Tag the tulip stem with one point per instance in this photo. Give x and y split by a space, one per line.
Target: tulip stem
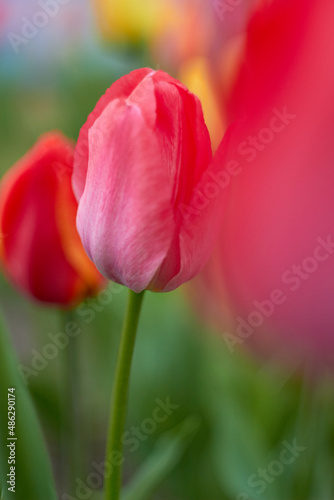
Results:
114 457
71 409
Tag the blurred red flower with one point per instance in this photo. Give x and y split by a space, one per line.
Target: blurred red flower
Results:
40 249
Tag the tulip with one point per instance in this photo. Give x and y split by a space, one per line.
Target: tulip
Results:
142 164
40 249
272 271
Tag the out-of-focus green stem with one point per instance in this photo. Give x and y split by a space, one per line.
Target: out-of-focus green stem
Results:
71 403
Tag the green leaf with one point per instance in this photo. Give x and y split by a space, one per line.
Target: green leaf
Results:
33 477
166 454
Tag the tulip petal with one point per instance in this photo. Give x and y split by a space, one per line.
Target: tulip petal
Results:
199 221
125 216
180 121
122 88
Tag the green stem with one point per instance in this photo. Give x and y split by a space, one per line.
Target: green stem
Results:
72 446
114 456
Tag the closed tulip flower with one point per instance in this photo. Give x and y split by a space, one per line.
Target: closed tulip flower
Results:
272 271
40 249
142 160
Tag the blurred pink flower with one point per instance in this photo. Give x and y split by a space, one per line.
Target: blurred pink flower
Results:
271 276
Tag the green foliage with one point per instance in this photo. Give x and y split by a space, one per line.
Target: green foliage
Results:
33 478
166 454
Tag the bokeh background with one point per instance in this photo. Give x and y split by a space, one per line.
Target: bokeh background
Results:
247 406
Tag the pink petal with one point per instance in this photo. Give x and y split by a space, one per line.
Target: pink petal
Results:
125 216
122 88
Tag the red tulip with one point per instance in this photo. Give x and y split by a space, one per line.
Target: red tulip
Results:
140 161
273 268
40 249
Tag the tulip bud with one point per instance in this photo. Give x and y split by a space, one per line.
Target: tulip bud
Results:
147 216
40 249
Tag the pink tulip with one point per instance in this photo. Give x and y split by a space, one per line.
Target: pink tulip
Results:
142 157
272 272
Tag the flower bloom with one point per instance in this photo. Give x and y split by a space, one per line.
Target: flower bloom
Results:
40 249
141 160
273 267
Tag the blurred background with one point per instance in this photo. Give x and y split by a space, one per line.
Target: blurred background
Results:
248 408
